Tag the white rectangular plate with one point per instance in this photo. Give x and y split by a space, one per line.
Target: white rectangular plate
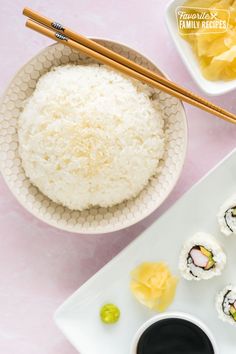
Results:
78 317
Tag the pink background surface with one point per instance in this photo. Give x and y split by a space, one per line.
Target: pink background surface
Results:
41 266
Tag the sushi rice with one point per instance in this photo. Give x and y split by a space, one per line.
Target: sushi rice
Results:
201 257
227 216
226 304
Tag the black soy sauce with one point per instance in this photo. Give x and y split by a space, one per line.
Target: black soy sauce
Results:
174 336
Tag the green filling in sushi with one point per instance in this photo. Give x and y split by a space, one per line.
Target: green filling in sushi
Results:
234 211
232 311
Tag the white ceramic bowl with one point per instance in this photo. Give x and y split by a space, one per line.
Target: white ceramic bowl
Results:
189 58
180 315
94 220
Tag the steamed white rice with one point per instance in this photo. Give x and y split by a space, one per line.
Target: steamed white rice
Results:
89 136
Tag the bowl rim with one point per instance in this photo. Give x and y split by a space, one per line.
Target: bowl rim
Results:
168 315
109 229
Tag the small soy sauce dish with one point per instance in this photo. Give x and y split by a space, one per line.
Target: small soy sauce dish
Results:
174 333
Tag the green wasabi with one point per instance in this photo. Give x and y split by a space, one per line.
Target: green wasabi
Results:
109 313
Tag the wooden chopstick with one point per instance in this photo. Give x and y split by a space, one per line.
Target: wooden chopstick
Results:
120 63
119 58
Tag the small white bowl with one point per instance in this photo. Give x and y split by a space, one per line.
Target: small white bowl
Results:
210 87
180 315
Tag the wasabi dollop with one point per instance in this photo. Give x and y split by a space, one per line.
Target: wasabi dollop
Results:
109 313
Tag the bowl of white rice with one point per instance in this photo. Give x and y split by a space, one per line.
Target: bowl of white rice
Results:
85 148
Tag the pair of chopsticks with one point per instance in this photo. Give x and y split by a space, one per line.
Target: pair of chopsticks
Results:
58 32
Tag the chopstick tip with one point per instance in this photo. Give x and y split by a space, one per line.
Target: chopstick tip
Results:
27 12
24 11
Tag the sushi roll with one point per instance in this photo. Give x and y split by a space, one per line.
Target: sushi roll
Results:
201 257
226 304
227 216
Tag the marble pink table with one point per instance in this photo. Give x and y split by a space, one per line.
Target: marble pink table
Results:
41 266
